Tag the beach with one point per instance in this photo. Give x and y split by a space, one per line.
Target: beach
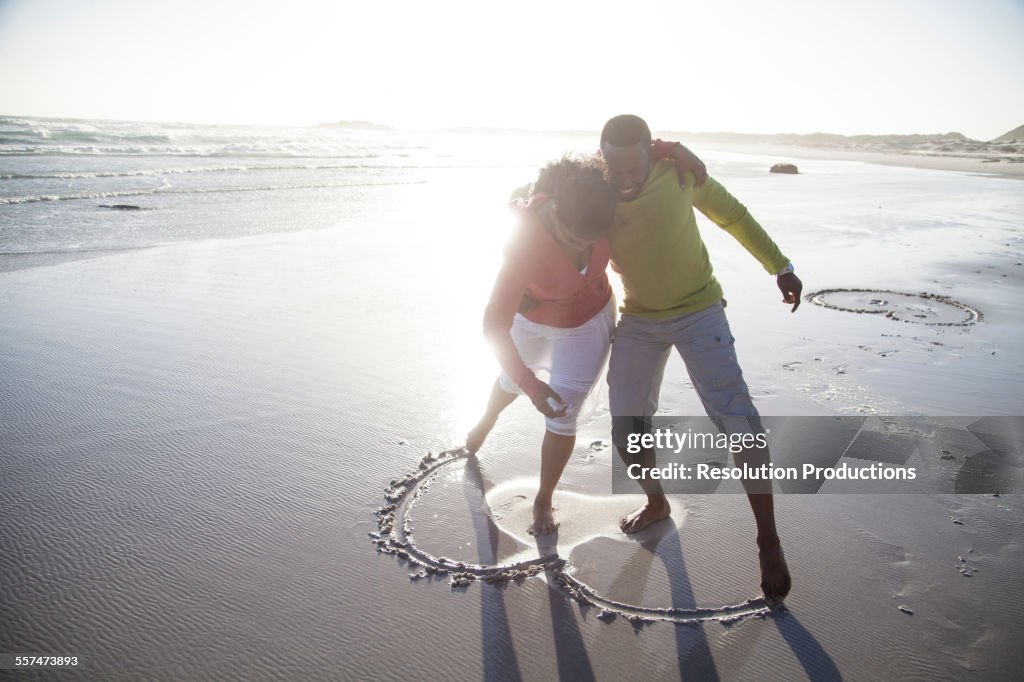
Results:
974 163
204 400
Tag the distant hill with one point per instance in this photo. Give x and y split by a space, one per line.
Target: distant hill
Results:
356 125
938 144
826 139
1015 134
527 131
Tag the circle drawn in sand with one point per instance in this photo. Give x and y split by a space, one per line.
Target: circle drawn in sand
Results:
921 308
394 535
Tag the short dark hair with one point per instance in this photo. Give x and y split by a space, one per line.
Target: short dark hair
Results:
585 203
626 130
553 173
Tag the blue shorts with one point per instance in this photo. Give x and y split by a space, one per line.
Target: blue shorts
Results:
641 349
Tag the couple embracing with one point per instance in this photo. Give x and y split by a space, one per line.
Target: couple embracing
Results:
552 307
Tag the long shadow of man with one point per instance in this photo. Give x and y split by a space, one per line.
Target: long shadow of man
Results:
694 654
662 541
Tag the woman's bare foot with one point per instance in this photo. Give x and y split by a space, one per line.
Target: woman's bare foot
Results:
775 580
543 518
655 510
478 434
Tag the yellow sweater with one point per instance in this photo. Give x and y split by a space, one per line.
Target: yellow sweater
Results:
658 251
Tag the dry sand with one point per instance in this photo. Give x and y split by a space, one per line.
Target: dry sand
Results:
195 438
982 164
951 152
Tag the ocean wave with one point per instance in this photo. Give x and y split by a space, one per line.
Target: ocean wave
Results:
142 172
7 201
109 249
155 172
63 137
207 190
251 150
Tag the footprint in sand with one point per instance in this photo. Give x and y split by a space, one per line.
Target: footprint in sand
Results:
499 511
966 566
874 349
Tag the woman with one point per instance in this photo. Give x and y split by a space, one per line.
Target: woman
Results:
552 307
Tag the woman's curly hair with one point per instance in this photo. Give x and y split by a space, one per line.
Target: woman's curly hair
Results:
584 202
551 175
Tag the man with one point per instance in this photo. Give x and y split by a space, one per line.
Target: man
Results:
673 299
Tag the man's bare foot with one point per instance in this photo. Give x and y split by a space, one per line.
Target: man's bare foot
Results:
775 580
543 519
652 512
478 434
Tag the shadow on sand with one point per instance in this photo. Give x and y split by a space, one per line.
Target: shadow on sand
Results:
660 542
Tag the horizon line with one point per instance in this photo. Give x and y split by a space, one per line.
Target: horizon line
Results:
386 127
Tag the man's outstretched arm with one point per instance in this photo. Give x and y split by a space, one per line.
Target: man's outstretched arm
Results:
723 209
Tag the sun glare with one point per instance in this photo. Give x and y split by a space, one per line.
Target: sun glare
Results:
739 66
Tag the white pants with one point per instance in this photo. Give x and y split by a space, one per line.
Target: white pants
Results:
571 357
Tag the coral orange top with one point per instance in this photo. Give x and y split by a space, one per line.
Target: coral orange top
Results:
535 265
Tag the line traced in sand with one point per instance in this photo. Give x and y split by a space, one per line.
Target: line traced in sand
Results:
394 535
920 308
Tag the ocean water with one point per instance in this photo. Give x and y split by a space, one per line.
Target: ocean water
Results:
191 182
59 178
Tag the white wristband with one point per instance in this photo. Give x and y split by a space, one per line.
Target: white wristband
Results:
786 270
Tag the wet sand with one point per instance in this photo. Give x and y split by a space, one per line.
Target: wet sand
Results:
196 438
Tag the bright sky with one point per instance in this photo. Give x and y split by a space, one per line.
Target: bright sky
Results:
870 66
